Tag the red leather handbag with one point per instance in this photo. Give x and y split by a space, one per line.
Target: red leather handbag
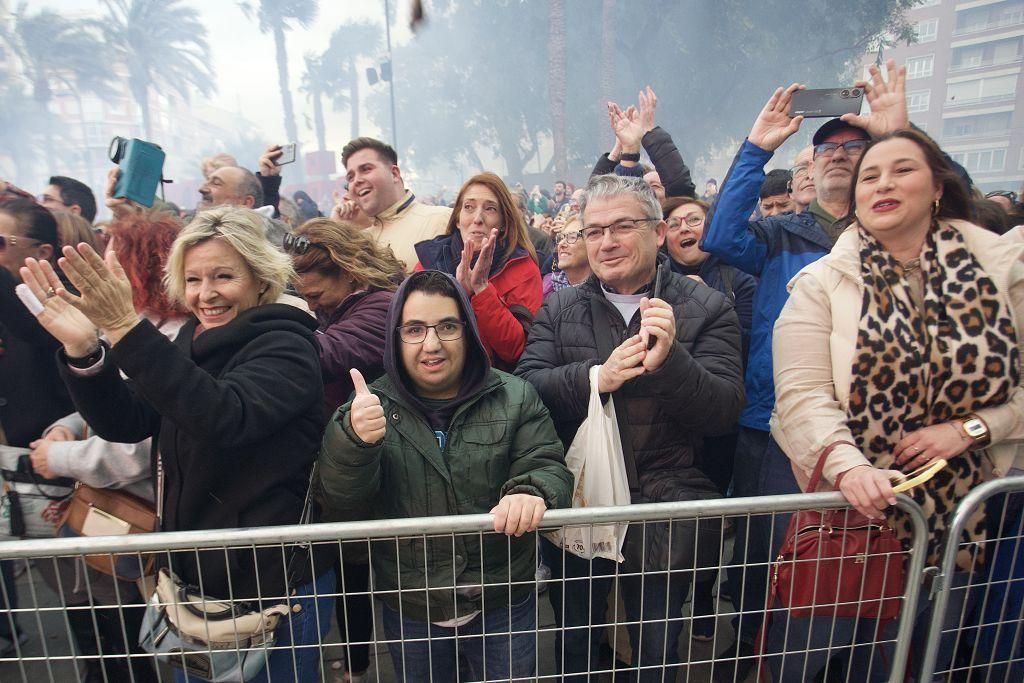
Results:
838 563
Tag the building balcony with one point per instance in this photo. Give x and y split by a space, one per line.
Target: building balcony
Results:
1017 19
963 137
984 64
975 101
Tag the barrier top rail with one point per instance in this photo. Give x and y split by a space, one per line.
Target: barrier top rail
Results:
419 526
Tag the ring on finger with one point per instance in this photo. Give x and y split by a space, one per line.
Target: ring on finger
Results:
50 293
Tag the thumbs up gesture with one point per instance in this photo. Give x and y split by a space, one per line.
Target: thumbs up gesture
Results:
366 413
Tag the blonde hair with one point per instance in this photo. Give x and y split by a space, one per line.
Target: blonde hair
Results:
72 229
243 230
340 247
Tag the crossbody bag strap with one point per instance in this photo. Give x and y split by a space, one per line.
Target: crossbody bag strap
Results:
294 566
605 345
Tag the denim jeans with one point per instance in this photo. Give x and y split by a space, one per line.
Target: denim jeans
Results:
761 469
299 636
653 599
498 645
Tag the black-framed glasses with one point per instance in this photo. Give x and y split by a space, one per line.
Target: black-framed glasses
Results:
1009 194
13 240
296 244
620 228
416 333
693 220
852 147
570 237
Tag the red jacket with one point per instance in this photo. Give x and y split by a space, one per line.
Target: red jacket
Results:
505 309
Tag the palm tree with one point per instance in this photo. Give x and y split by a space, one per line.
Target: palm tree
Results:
276 17
54 50
163 44
556 83
317 81
19 120
349 43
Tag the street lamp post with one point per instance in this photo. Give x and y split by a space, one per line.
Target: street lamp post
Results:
391 80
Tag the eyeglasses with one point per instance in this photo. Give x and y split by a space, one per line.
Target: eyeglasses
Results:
1012 196
13 241
415 333
621 228
852 147
570 237
45 199
799 171
693 220
296 244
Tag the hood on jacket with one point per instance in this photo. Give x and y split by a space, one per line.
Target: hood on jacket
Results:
444 253
477 365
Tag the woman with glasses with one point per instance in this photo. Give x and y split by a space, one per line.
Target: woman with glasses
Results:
875 355
685 217
487 249
571 267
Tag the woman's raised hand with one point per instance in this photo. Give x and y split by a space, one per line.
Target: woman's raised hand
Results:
66 323
105 291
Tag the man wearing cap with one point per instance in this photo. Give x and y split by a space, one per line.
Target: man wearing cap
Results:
774 249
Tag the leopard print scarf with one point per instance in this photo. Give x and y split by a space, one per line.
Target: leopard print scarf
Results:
912 370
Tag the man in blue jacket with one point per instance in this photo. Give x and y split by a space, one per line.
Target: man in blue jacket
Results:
774 249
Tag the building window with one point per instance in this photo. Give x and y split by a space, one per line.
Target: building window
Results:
982 125
920 67
918 100
981 160
982 90
927 30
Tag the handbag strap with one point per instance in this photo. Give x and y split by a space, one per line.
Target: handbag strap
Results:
812 486
293 569
605 339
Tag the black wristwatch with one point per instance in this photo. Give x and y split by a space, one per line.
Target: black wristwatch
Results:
629 156
94 357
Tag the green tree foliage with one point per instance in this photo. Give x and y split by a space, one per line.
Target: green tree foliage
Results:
479 70
163 44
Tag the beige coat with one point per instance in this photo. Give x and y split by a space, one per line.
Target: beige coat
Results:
403 229
815 340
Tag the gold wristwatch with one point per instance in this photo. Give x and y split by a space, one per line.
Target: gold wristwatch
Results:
976 429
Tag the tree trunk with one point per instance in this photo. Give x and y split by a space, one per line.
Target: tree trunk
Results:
318 121
607 71
556 83
353 98
290 129
147 125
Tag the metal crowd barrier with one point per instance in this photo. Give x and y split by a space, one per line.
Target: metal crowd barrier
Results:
976 630
53 601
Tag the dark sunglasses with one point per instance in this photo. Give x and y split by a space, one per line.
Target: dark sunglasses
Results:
296 244
1012 196
13 240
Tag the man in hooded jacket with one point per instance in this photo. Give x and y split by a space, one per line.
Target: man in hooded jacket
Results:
442 433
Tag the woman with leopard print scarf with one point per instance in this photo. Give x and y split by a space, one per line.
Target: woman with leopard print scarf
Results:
903 340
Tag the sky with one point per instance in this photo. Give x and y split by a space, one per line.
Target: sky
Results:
245 66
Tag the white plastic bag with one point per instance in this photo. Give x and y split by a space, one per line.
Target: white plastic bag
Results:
596 462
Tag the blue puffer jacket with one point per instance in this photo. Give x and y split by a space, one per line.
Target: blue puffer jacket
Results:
772 249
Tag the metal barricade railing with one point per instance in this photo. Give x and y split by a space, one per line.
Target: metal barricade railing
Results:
976 627
639 606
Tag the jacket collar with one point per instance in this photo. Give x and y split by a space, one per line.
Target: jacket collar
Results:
396 209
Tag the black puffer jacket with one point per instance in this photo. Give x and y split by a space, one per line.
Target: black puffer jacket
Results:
667 160
697 391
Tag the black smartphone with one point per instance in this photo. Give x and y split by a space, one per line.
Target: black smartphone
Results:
655 294
826 102
287 155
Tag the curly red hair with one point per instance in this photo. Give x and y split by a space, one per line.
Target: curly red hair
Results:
143 242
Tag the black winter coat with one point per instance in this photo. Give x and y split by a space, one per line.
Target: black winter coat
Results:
236 414
667 160
697 391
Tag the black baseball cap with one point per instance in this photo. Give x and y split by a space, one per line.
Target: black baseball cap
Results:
833 126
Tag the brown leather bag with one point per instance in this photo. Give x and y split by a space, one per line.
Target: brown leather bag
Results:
838 563
110 512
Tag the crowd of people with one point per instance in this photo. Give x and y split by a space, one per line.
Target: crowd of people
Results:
435 360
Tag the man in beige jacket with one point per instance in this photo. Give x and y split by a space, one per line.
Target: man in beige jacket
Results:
375 184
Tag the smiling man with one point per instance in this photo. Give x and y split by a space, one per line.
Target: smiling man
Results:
375 183
669 351
442 433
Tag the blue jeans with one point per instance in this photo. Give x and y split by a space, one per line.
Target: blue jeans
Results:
580 603
761 469
298 634
500 644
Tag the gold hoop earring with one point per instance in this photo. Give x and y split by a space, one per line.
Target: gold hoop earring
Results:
935 210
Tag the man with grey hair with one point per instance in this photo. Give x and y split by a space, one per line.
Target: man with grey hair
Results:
231 186
668 348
